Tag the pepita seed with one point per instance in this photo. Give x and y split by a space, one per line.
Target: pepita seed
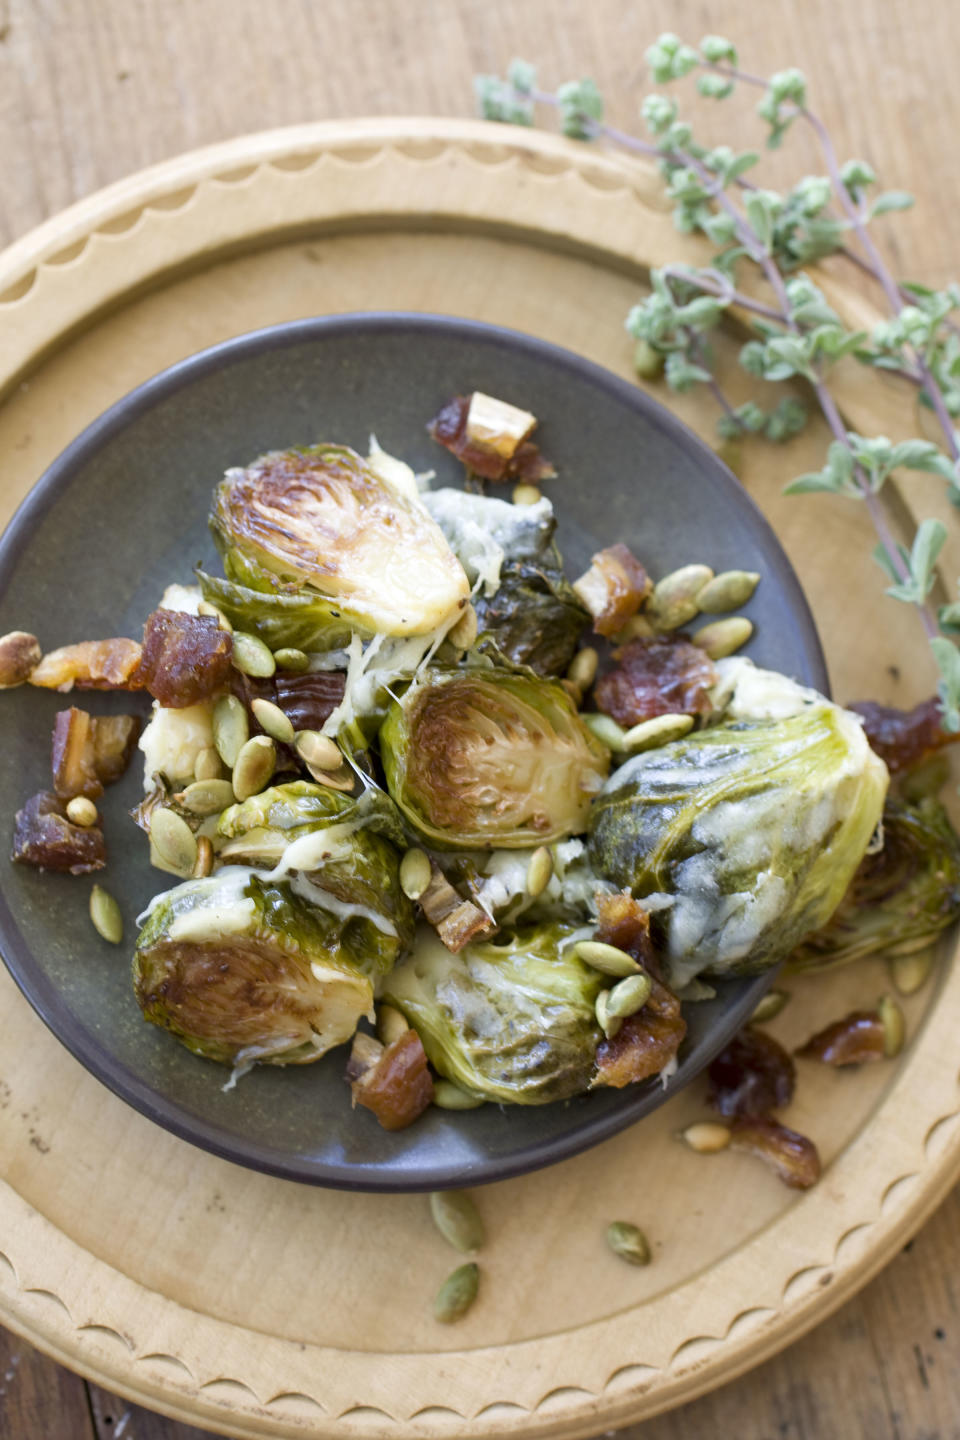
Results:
206 797
574 691
81 811
723 637
526 495
255 766
628 996
647 362
204 865
911 972
207 765
105 914
605 728
674 599
251 656
457 1294
464 633
894 1026
539 871
292 659
651 734
205 608
173 840
706 1137
415 872
638 627
458 1220
629 1242
609 1024
318 750
727 591
342 779
272 719
447 1096
608 959
231 728
769 1007
391 1024
583 667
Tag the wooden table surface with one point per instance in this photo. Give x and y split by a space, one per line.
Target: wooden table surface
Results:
93 89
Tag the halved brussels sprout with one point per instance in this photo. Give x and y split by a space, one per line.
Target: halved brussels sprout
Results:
321 517
489 758
513 1022
241 969
753 830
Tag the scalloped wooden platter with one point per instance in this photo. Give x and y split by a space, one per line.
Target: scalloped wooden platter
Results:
257 1307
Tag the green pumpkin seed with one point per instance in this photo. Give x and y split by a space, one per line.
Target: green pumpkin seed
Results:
629 1242
628 996
605 728
81 811
608 959
638 627
391 1024
706 1137
458 1220
457 1294
447 1096
207 765
647 363
318 751
342 779
291 659
255 766
231 728
204 865
894 1026
609 1024
464 633
727 591
105 914
173 840
205 608
651 734
272 719
539 871
526 495
674 599
769 1007
251 656
583 667
415 873
206 797
911 972
723 637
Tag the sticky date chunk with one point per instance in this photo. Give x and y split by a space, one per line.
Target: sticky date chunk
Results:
614 588
307 700
186 658
663 676
793 1157
902 738
751 1077
648 1040
90 751
44 837
392 1081
90 665
495 454
856 1039
625 922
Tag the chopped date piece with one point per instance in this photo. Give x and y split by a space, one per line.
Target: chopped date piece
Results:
186 658
613 589
857 1038
625 922
792 1156
20 653
751 1077
90 665
645 1043
456 921
392 1081
490 438
43 836
665 675
902 738
90 751
307 700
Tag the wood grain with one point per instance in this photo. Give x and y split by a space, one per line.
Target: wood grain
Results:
93 89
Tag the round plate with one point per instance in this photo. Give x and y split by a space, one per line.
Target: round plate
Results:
123 512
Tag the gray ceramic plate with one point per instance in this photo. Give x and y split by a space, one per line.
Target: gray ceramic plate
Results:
123 512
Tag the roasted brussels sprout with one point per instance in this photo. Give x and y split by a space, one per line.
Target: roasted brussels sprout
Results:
242 969
901 896
752 828
512 1022
527 611
278 615
320 519
488 758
